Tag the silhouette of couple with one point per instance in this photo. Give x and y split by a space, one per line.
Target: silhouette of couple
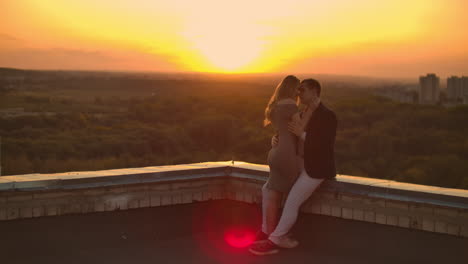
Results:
301 157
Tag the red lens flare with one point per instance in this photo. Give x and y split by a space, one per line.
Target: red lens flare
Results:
239 238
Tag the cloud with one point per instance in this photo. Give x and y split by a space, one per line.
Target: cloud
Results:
10 42
386 60
6 37
76 59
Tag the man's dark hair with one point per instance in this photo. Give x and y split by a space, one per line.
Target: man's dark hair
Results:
313 84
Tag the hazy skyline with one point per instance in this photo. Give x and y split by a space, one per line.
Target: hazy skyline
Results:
362 37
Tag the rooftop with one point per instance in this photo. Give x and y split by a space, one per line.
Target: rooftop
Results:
195 233
195 213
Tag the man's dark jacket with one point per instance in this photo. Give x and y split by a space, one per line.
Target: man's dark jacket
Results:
319 154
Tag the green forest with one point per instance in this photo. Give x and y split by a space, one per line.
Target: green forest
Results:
95 123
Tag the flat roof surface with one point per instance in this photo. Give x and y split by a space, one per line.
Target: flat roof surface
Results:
195 233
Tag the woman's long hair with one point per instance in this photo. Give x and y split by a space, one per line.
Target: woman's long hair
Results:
285 89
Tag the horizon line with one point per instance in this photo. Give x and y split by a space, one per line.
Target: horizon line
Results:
407 78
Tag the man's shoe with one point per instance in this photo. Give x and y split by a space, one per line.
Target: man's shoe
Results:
285 241
263 248
260 236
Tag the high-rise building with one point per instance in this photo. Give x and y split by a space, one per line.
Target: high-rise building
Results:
429 90
464 88
457 89
454 88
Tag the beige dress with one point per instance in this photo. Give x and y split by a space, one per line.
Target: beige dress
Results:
282 159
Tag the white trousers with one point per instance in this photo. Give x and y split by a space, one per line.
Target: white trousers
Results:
300 191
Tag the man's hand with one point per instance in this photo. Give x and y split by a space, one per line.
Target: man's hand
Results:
274 141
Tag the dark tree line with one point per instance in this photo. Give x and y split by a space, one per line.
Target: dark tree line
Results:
376 137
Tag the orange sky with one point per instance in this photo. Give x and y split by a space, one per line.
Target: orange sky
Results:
397 38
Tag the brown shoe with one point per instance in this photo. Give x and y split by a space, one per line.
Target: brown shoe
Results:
263 248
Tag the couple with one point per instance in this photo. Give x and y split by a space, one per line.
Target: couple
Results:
302 156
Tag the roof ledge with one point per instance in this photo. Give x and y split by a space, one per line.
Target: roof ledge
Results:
428 208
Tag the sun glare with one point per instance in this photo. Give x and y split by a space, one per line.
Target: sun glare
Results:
227 54
226 45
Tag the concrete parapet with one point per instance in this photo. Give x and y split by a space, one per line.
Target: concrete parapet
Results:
378 201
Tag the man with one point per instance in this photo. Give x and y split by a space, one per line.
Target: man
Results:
317 129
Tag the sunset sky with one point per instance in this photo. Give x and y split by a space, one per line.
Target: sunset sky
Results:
397 38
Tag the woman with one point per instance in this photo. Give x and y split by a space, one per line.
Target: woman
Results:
282 159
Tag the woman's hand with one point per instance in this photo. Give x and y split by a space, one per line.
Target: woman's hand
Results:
296 117
298 123
274 141
296 127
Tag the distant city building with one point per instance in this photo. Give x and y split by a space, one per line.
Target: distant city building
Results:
454 88
464 81
457 89
399 93
429 90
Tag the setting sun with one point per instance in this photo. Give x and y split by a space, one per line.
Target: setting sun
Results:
224 47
